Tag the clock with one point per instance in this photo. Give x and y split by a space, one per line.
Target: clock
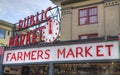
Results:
50 30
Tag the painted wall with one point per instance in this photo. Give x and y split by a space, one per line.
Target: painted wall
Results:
108 19
112 18
8 28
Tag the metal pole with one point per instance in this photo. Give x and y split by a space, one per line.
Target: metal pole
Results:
51 69
1 69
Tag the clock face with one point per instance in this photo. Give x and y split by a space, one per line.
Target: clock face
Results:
51 31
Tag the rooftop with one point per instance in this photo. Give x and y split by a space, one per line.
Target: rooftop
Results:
64 2
5 23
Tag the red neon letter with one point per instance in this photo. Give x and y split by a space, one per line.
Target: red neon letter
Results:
61 52
26 22
98 50
11 42
19 56
47 53
7 56
33 56
70 53
40 33
20 24
40 54
27 55
109 49
37 19
13 57
22 38
46 17
34 36
28 38
87 51
32 21
79 51
17 40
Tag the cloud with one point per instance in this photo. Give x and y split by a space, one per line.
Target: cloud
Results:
13 10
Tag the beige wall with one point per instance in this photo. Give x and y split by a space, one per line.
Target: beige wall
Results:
8 28
87 29
66 25
108 20
112 20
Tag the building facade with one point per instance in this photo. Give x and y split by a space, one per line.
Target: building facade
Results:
6 30
89 18
88 45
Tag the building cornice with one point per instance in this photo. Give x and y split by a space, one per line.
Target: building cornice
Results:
71 1
7 24
65 2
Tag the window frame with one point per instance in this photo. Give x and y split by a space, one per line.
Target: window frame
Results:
89 36
88 16
3 33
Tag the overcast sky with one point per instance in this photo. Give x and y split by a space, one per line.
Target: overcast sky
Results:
13 10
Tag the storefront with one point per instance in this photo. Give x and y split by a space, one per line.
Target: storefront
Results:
41 52
70 69
101 58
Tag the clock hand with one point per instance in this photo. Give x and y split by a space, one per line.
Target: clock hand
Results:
50 27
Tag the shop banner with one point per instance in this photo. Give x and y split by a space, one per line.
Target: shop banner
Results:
74 52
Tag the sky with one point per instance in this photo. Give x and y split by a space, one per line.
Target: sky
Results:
14 10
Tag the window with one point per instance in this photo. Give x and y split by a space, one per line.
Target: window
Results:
2 33
87 69
88 16
88 36
8 32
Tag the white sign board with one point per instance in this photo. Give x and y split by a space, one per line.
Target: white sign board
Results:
74 52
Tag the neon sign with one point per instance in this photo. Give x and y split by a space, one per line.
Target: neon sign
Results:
77 52
47 33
